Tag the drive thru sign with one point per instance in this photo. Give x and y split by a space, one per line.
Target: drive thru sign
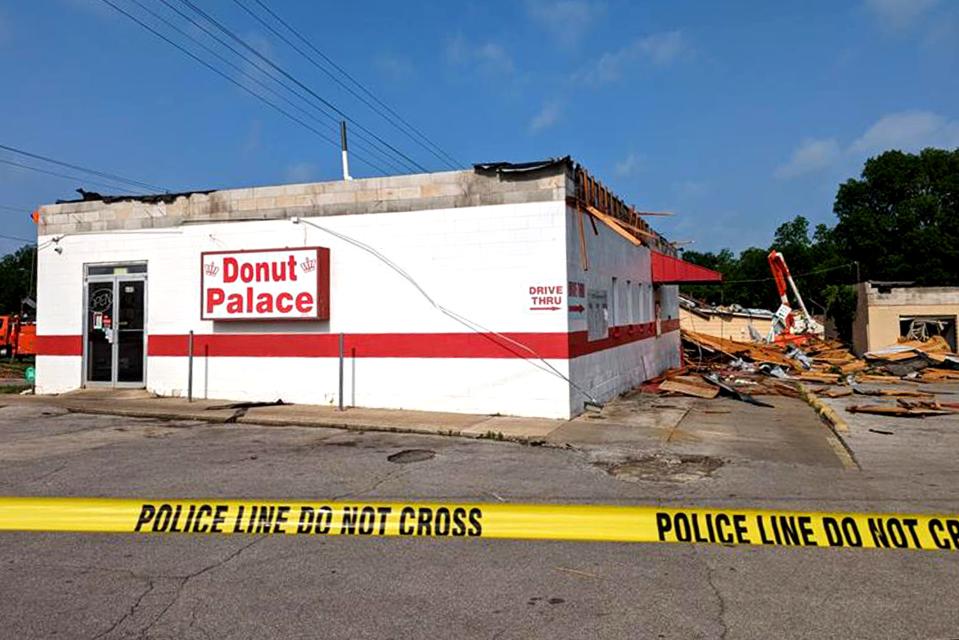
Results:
265 284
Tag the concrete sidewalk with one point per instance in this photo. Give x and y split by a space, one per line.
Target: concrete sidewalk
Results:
720 428
143 404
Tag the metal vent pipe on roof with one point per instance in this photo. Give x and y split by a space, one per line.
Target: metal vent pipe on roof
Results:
345 154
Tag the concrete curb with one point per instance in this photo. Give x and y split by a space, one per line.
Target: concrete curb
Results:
278 422
824 410
837 426
155 415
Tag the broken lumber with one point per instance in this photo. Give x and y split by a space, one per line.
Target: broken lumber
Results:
689 389
897 411
842 392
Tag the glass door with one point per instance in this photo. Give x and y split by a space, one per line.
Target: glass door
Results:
100 331
129 330
115 350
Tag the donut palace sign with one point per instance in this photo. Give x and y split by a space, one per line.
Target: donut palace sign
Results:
265 284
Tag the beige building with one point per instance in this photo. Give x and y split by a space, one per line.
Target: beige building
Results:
731 323
888 311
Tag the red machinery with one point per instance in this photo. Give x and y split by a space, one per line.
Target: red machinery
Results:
789 325
17 337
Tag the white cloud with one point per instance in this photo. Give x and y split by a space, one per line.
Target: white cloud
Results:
812 155
254 67
691 188
393 66
632 164
301 172
658 49
253 140
488 57
545 118
908 131
97 7
567 21
899 14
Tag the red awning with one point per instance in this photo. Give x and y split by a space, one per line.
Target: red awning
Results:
670 270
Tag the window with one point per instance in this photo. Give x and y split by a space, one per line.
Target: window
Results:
597 323
638 303
614 306
115 269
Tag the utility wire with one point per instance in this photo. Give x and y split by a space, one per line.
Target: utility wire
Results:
282 71
798 275
250 76
454 161
6 237
238 84
110 176
367 144
542 364
65 175
390 117
9 207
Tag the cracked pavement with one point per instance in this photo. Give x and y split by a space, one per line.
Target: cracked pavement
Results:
123 586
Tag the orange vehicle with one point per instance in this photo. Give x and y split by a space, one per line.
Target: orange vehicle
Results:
789 325
18 337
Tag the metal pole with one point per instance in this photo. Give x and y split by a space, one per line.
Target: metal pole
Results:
189 379
341 373
344 152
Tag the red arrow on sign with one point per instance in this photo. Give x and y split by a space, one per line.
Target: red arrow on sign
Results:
578 308
544 308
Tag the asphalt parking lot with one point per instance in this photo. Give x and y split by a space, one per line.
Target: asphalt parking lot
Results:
122 586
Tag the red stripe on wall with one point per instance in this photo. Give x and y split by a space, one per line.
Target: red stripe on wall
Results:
580 345
669 325
559 346
368 345
59 345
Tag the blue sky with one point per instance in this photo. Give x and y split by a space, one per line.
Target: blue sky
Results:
736 116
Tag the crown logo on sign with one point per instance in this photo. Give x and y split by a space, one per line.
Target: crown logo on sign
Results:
211 269
308 265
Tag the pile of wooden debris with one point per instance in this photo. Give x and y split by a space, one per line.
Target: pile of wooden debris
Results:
749 369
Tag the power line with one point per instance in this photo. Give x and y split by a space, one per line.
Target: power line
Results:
251 77
430 146
329 104
65 175
367 145
110 176
229 79
6 237
798 275
10 207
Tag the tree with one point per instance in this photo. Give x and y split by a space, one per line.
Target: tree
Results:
900 220
15 278
822 273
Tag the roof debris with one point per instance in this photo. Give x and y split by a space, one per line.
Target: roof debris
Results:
720 366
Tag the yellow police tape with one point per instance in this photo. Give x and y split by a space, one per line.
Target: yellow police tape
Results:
517 521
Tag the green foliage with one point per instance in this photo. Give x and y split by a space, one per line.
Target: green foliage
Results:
813 260
15 270
898 221
901 219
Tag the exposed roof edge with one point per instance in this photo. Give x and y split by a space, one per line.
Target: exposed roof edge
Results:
498 168
152 198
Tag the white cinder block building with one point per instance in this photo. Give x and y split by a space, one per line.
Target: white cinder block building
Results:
514 289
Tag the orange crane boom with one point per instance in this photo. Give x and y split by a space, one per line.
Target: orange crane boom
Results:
788 324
